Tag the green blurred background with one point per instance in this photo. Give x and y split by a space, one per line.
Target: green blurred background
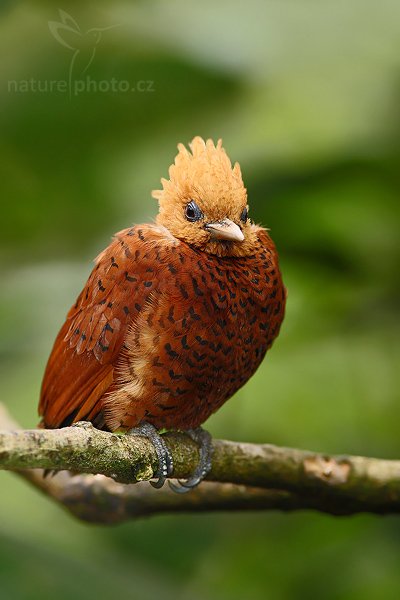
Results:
305 94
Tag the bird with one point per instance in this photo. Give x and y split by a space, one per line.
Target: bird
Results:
83 43
175 316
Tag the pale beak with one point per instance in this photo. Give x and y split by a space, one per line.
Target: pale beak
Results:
225 230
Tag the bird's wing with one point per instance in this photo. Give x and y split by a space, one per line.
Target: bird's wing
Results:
81 365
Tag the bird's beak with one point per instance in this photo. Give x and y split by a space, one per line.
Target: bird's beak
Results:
225 230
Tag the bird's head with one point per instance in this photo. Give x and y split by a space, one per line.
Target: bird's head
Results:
204 201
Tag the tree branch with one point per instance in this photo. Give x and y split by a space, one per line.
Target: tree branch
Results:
245 476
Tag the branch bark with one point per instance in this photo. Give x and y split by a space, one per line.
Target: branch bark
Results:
243 477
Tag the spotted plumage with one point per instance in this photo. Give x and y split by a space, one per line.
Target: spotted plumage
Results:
175 316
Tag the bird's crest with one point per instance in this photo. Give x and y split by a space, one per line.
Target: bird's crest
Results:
206 167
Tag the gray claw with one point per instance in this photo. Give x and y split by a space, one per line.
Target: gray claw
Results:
165 462
204 440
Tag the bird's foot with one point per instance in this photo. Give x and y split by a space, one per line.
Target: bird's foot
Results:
204 440
165 462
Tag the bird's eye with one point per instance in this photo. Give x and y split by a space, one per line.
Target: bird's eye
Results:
244 215
193 212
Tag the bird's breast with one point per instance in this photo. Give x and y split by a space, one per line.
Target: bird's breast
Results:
199 337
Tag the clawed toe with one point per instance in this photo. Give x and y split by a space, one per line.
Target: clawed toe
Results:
182 486
165 468
204 440
165 462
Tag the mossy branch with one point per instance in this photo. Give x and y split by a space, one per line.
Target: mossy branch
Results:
244 476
